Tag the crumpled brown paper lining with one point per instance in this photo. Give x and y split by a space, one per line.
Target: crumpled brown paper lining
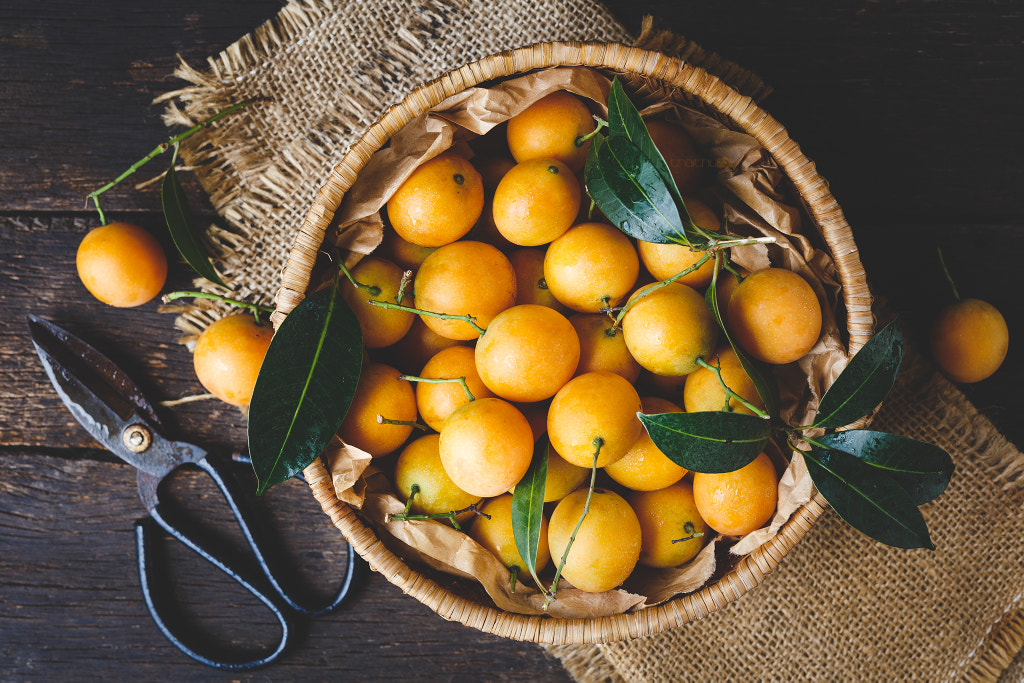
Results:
752 189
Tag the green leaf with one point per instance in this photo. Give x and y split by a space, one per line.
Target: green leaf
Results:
305 386
528 508
922 469
178 216
868 499
628 189
710 442
760 373
865 381
624 120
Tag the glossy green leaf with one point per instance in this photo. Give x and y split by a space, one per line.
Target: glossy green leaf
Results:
709 442
628 189
178 216
760 373
528 507
624 120
868 499
922 469
305 386
865 381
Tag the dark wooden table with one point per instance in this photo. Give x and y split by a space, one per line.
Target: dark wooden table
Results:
911 110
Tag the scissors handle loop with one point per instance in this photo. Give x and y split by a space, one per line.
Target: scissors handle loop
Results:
280 603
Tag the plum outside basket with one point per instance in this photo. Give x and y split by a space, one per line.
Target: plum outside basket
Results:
693 87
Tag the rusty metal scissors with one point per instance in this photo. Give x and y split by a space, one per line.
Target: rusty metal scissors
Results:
115 412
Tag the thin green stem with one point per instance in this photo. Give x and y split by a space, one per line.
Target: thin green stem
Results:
949 278
582 139
441 380
513 572
372 290
649 289
468 319
403 283
689 529
713 248
550 595
727 265
381 420
413 490
160 149
255 308
450 515
729 392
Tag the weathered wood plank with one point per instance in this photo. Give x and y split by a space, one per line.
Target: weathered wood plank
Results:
70 598
38 275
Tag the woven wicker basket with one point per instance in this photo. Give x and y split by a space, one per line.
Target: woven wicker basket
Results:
689 85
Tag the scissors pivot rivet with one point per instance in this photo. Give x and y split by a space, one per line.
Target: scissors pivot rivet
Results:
136 438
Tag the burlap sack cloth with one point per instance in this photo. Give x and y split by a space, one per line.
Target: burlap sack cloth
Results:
840 606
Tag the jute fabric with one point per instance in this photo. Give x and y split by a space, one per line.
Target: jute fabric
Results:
840 606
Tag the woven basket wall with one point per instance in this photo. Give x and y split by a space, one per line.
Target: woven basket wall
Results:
657 76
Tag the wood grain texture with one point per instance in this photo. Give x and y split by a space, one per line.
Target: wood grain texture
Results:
69 600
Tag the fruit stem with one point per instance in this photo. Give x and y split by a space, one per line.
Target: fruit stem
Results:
444 316
729 392
688 528
403 283
713 247
439 380
513 572
949 278
549 596
450 515
255 308
381 420
413 490
582 139
650 289
372 290
160 149
727 265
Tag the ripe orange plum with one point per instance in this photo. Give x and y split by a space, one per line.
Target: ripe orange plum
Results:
535 202
602 347
486 446
590 267
528 353
419 463
381 326
607 545
121 264
969 340
676 145
668 329
228 356
594 413
379 392
667 515
464 278
644 467
703 392
531 287
775 316
552 127
736 503
439 202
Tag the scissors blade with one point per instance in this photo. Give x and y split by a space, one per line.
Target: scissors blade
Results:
105 400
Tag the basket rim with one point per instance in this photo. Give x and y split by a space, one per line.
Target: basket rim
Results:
745 115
